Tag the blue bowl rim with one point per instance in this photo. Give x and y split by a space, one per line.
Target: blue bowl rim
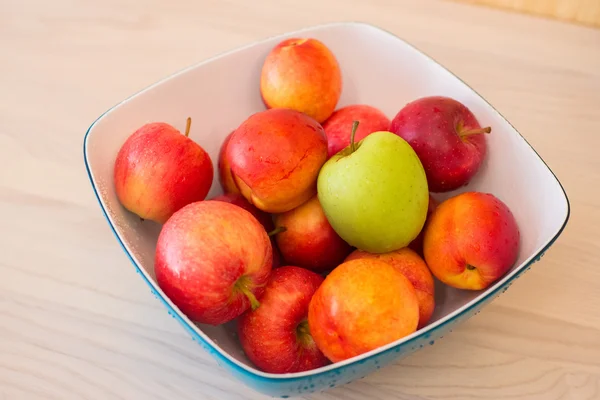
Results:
286 378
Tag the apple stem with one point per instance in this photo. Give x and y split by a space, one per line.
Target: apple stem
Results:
188 124
479 131
352 144
470 267
277 230
243 288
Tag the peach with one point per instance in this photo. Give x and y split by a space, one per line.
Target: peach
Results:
339 126
275 158
471 240
225 178
309 241
304 75
362 305
412 267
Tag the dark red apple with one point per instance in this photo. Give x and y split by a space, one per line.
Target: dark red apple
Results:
275 336
447 138
213 260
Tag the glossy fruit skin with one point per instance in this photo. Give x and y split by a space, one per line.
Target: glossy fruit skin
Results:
309 241
376 197
338 126
302 74
158 170
205 253
275 336
362 305
413 267
471 240
275 158
265 219
225 177
433 127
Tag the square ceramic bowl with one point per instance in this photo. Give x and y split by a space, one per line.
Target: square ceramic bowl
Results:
378 69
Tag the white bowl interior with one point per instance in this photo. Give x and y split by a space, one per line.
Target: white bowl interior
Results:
378 69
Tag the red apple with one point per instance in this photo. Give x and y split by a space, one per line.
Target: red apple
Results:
236 198
275 158
339 126
212 260
447 138
225 178
417 243
275 336
158 170
308 240
471 240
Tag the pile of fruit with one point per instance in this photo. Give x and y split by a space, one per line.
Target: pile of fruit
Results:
327 239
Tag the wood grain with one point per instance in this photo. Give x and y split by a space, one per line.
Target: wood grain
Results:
580 11
76 322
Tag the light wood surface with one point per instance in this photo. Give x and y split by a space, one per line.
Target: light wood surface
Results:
579 11
76 321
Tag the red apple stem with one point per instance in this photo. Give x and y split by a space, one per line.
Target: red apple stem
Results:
478 131
188 125
277 230
352 135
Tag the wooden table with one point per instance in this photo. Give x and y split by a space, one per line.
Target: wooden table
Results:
76 322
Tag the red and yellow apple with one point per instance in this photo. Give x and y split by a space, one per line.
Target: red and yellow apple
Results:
213 260
276 336
302 74
275 158
339 125
412 266
308 240
264 218
159 170
362 304
471 240
225 178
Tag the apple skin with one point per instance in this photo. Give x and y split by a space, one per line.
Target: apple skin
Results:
438 129
309 241
362 305
302 74
212 261
275 158
471 240
417 243
264 218
376 197
339 126
159 170
225 177
413 267
275 336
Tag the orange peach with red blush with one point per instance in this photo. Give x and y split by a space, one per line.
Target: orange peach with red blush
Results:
304 75
412 267
471 241
362 305
275 157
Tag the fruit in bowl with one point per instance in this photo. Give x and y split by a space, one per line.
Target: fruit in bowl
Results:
159 170
236 100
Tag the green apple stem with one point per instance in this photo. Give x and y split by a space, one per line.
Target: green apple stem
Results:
188 125
479 131
352 144
277 230
242 286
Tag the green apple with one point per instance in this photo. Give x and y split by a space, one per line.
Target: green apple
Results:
374 193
